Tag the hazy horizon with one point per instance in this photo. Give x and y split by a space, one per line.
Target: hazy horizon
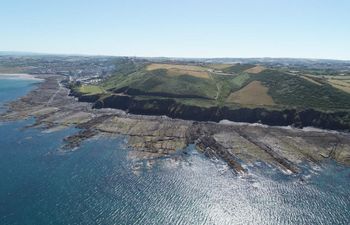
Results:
19 53
181 29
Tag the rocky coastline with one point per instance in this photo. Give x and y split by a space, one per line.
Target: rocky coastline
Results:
299 118
238 144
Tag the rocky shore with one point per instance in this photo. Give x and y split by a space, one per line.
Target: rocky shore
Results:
151 137
337 120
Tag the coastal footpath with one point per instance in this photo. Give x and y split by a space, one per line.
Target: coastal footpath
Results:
152 137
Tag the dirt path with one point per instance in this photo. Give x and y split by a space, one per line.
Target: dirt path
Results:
55 94
218 89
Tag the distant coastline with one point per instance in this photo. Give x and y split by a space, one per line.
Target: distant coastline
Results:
19 76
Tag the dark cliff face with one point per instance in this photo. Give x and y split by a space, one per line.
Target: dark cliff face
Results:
173 109
89 98
84 98
113 101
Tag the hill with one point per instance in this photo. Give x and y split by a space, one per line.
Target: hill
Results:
163 82
238 85
239 92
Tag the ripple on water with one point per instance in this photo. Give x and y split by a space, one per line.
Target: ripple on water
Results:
97 185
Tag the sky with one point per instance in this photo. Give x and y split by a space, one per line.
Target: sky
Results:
178 28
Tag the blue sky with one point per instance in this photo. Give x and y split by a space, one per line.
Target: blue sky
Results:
181 28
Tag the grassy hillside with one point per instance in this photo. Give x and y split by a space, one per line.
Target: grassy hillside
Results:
238 85
90 89
238 68
291 90
253 94
160 82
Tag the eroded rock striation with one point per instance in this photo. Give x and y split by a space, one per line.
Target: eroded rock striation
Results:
338 120
236 144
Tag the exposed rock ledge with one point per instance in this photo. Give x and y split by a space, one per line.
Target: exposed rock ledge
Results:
158 136
339 120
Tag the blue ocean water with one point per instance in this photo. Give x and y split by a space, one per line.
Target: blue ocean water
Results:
98 184
12 89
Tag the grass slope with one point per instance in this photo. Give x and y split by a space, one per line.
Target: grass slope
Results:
159 82
294 91
278 89
176 70
91 89
252 94
238 68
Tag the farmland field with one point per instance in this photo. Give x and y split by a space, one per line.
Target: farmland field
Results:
91 89
252 94
245 84
255 70
177 70
340 84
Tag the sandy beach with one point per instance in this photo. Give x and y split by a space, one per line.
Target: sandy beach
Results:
18 76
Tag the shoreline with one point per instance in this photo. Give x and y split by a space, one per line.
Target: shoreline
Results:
19 76
215 163
304 117
237 144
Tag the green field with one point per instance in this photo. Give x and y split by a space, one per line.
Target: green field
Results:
91 89
284 89
238 68
160 83
294 91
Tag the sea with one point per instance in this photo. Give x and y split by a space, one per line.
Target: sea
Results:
98 184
